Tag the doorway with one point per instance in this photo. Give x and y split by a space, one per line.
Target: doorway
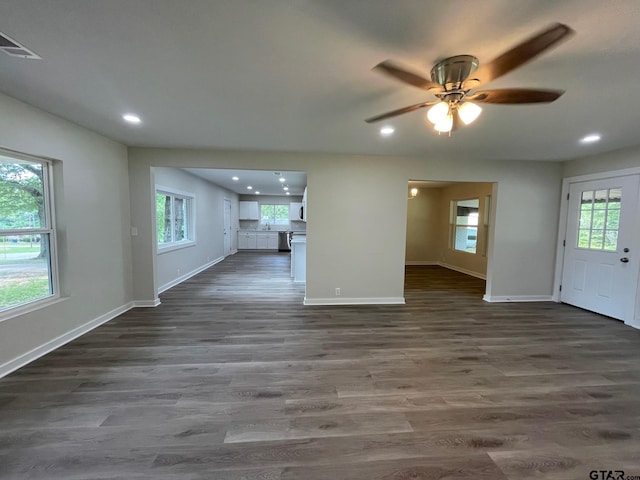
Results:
448 226
600 268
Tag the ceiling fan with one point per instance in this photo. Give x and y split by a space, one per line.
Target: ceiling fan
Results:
454 78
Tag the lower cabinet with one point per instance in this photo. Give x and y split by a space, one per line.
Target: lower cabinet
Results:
272 240
257 240
246 240
261 241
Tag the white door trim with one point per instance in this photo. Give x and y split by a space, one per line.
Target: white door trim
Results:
562 226
226 239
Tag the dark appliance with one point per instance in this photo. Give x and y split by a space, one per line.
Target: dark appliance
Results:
284 241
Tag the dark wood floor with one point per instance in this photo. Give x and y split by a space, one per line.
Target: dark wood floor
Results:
232 378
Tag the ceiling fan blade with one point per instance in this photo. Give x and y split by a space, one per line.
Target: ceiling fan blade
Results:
400 111
405 76
518 55
515 95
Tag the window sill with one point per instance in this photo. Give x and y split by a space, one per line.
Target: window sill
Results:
175 246
30 307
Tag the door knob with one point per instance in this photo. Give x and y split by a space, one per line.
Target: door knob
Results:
624 260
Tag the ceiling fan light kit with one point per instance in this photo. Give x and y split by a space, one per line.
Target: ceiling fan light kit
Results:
453 78
469 112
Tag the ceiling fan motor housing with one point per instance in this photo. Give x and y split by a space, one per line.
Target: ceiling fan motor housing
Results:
452 71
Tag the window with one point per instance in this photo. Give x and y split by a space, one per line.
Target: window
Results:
464 224
174 218
600 219
274 214
27 237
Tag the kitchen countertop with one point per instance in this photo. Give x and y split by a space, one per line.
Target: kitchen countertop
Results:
296 232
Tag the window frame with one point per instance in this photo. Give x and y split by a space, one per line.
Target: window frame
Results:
48 230
190 230
453 225
287 219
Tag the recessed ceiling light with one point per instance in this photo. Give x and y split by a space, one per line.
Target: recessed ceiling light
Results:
249 187
282 179
257 192
593 137
285 188
131 118
287 193
235 179
387 131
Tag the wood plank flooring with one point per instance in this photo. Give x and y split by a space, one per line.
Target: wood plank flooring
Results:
233 378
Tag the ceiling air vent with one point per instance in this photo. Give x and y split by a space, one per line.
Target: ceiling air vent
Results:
14 49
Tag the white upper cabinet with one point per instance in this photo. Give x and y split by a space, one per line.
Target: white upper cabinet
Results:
304 205
294 211
249 211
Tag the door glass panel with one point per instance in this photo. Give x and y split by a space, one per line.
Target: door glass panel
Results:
600 200
596 239
615 197
585 219
587 200
611 241
613 219
599 219
583 238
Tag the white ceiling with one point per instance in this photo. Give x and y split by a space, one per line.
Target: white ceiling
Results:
267 182
295 75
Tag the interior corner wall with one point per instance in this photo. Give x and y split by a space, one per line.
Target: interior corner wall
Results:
423 227
357 216
93 211
174 265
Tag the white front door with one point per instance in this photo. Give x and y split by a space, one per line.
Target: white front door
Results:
227 227
600 271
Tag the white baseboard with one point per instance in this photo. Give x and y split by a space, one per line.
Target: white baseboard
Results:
355 301
446 265
146 303
188 275
517 298
51 345
463 270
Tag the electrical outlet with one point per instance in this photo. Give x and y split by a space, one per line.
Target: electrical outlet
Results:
337 292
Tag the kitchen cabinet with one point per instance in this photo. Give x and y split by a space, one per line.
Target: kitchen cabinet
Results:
294 211
261 240
251 240
267 240
272 240
247 240
304 205
249 211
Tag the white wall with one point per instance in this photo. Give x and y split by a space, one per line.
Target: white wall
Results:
357 208
618 160
92 205
209 226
